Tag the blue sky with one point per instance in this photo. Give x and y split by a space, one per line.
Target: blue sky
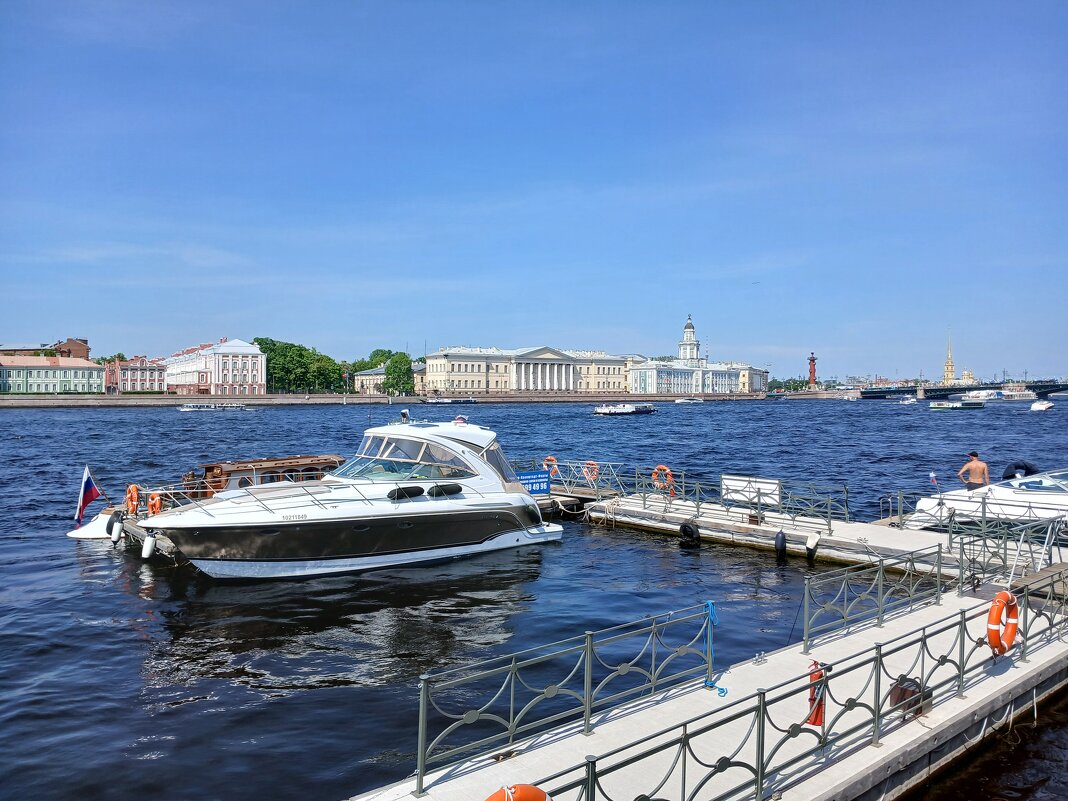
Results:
858 179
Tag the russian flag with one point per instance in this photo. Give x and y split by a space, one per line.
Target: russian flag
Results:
86 496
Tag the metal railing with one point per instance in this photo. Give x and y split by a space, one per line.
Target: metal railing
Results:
771 740
490 704
845 597
801 504
1005 551
980 513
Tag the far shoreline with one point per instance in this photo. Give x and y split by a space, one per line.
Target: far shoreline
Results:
42 401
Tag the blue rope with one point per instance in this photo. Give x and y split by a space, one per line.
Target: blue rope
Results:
713 620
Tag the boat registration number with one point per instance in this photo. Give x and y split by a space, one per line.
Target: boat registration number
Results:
294 517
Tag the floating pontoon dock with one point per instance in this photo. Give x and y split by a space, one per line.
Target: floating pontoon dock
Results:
893 678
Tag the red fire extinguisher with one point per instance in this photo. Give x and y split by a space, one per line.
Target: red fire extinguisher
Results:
816 701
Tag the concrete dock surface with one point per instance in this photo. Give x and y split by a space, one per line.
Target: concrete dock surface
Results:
850 766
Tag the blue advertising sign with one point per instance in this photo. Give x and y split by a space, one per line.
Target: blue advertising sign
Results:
536 482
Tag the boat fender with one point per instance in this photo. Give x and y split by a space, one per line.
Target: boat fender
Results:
812 544
397 493
148 547
780 545
689 537
114 526
520 792
441 490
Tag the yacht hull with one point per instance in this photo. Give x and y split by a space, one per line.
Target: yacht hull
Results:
322 547
223 568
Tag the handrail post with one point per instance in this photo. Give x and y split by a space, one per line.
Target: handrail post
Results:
808 593
900 508
424 703
845 490
1024 623
960 571
880 599
878 705
591 778
710 607
587 685
962 636
938 576
762 711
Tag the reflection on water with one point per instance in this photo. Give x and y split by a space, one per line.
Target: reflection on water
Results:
369 630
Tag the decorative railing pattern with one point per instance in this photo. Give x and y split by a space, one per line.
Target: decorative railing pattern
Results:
1011 549
490 704
858 593
801 504
763 743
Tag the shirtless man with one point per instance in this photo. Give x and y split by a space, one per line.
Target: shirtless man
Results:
977 473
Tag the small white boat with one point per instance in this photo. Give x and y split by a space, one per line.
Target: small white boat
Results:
451 400
1027 498
689 400
1041 406
213 407
907 401
624 408
959 404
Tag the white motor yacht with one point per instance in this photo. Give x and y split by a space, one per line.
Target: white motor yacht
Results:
624 408
415 492
1041 406
1024 497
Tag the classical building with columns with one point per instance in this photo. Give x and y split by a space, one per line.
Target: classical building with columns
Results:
692 374
539 369
227 367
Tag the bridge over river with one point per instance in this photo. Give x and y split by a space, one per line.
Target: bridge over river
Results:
939 392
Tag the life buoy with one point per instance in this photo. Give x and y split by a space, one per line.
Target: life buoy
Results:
550 465
591 470
816 701
520 792
662 478
998 640
155 503
131 499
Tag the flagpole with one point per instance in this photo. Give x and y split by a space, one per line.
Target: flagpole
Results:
106 498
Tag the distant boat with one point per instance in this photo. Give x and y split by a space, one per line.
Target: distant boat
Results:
960 404
451 400
213 407
907 401
689 400
1041 406
624 408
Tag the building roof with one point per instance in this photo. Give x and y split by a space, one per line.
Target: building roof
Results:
48 361
23 346
224 347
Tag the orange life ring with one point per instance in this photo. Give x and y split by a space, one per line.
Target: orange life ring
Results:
591 470
131 499
550 465
155 503
1000 641
520 792
662 478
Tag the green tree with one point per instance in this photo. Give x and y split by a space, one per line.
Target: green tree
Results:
380 356
399 380
118 357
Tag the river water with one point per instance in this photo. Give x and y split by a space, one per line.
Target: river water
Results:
123 679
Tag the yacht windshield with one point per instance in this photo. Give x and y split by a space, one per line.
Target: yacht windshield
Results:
382 458
1046 482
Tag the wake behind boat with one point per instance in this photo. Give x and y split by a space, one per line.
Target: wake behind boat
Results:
414 493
